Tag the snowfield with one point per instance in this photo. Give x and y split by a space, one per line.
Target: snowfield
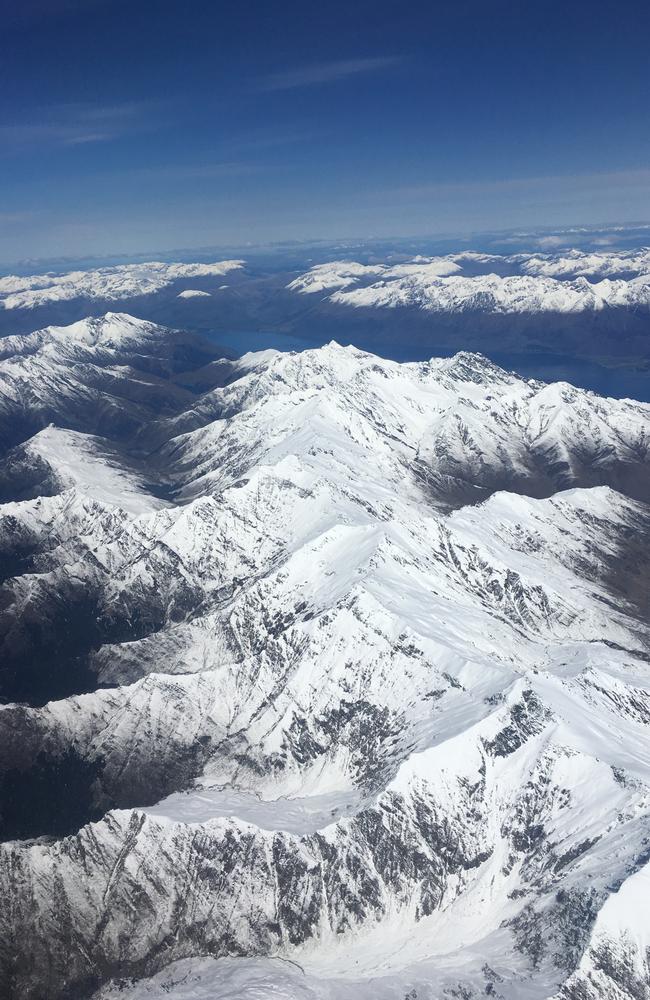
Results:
574 283
346 663
122 281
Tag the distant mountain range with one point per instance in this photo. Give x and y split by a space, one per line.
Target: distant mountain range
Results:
555 284
582 315
107 284
562 282
322 675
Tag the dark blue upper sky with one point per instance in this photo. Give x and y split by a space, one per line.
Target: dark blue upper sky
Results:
129 126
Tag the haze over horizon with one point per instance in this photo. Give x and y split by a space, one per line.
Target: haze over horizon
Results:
210 125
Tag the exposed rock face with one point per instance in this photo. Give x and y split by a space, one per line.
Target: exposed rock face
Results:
399 610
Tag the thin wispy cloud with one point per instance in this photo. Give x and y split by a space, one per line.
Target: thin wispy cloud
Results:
16 138
328 72
475 205
196 171
523 185
8 219
78 124
119 112
260 140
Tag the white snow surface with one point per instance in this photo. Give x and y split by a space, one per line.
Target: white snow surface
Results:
120 281
573 283
425 703
296 815
82 462
573 263
83 340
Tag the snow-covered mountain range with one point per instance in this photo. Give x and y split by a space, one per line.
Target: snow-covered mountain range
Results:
565 281
568 308
489 283
323 676
110 284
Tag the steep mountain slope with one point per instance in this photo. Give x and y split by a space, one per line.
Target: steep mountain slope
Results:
362 684
110 375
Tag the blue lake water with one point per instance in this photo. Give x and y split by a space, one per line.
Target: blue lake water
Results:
620 382
623 381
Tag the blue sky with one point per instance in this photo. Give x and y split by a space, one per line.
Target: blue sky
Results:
133 126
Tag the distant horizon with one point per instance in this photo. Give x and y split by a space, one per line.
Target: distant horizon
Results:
355 241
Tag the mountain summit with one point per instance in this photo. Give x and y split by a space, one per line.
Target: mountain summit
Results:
322 675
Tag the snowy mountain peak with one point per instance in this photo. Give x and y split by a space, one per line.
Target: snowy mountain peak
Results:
313 655
474 367
111 331
121 281
520 284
